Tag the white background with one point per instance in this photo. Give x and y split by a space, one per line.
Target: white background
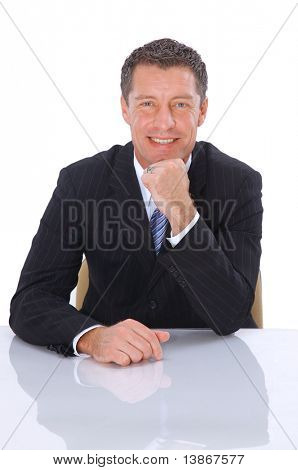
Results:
75 50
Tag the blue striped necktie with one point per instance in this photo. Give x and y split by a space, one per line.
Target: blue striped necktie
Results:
158 224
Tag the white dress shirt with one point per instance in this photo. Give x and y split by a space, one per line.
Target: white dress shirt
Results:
150 207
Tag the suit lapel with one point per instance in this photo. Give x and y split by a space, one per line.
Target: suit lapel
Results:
197 172
124 188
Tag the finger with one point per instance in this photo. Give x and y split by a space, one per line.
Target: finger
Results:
161 163
148 335
154 343
134 353
140 343
163 336
119 357
145 179
148 178
126 333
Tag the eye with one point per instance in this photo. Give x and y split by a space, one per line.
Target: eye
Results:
183 105
145 103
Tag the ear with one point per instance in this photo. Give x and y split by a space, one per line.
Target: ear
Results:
203 112
124 108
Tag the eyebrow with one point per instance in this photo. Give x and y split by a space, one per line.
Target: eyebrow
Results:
182 97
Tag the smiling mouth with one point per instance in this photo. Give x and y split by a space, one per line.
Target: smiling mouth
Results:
162 141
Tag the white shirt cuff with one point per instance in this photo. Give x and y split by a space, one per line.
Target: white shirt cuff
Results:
76 339
177 238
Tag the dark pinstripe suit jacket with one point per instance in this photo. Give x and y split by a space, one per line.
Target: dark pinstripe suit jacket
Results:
97 209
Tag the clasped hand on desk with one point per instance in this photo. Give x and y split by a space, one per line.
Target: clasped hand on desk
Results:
127 341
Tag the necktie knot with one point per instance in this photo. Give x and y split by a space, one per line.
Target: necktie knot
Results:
158 224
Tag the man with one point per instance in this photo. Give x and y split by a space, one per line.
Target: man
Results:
170 227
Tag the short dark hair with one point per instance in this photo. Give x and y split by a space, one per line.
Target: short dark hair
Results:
164 53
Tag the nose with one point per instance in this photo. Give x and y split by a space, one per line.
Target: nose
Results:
163 118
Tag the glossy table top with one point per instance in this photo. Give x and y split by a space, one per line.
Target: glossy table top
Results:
208 392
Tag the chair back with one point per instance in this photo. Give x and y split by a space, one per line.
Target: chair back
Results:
83 284
257 308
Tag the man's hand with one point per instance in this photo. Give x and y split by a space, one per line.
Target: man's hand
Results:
169 186
123 343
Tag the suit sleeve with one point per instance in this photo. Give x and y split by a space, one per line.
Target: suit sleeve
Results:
218 271
40 312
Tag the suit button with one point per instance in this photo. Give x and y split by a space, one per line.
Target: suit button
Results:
153 304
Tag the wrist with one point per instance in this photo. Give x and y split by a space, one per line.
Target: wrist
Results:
181 216
87 340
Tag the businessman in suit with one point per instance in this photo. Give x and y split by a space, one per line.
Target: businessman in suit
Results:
170 227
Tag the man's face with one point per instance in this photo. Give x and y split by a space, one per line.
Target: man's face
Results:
163 104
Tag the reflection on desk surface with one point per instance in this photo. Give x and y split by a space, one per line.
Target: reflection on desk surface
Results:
208 392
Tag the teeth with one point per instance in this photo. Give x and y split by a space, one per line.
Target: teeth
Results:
159 141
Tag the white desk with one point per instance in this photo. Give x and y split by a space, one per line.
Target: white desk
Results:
209 392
